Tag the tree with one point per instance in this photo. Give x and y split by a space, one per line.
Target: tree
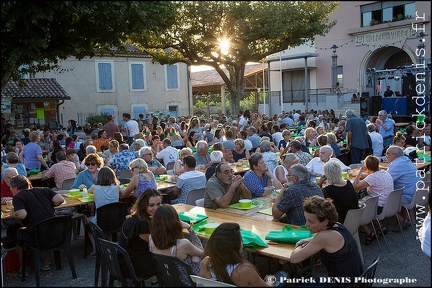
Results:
36 35
253 30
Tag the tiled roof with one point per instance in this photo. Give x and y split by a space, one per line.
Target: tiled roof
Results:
212 77
36 88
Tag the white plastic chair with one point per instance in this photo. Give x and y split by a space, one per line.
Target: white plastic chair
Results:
370 213
352 223
204 282
392 206
194 195
199 202
420 197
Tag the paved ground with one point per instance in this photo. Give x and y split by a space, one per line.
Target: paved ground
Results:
405 261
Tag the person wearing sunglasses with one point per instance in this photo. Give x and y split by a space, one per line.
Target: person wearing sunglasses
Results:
86 178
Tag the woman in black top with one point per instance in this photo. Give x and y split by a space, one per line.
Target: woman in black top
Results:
336 246
341 191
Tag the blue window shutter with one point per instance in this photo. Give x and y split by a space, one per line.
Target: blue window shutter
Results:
107 111
138 110
105 76
172 81
137 76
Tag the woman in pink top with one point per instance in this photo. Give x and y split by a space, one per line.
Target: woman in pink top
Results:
378 183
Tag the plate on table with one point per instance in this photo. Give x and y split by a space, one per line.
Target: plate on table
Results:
86 199
237 206
171 181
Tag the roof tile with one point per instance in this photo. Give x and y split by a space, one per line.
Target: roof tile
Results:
36 88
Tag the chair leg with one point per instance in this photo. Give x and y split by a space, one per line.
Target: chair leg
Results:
409 211
373 227
97 269
357 239
69 256
104 274
382 233
23 263
400 227
57 260
37 266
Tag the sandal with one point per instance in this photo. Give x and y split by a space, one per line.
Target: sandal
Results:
369 238
46 267
384 231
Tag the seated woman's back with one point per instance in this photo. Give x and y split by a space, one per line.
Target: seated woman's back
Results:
167 238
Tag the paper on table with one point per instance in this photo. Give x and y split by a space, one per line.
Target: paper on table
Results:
267 211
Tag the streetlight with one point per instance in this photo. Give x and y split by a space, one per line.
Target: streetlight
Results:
334 65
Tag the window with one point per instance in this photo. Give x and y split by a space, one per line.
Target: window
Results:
172 82
107 109
105 76
137 77
138 109
386 11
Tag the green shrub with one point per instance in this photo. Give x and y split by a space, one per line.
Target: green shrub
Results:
100 118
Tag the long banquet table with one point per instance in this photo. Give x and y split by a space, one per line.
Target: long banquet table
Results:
261 227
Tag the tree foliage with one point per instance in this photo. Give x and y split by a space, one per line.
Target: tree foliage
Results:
36 35
254 29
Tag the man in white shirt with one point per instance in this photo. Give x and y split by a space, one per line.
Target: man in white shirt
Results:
132 128
189 180
315 166
377 140
168 153
243 121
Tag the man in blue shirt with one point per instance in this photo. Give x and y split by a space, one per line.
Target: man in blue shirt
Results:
259 179
386 128
253 137
404 174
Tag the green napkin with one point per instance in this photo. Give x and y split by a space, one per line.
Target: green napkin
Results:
185 217
33 171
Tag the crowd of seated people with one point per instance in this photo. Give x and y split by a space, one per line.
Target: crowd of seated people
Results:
279 153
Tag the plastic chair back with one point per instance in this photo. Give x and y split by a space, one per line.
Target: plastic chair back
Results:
67 184
204 282
110 217
199 202
172 272
194 195
370 211
98 233
170 165
52 235
369 274
110 253
54 232
392 205
352 219
124 180
125 174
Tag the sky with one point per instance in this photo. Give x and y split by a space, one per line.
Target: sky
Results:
200 68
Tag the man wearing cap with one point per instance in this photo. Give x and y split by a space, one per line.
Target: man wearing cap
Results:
110 127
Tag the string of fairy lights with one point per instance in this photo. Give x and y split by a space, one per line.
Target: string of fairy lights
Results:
353 40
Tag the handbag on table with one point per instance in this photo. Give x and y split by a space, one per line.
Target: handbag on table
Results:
288 234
